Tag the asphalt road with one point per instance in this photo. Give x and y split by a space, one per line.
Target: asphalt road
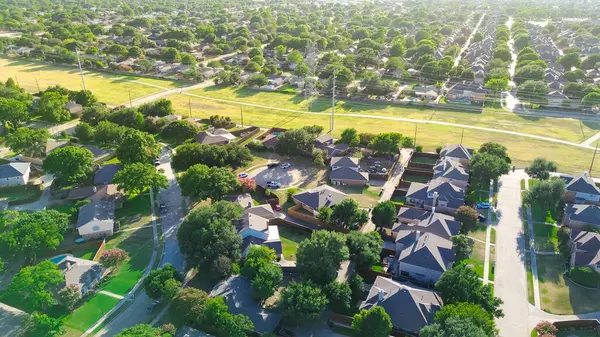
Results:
136 311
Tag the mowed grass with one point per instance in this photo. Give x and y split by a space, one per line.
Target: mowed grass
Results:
290 239
366 197
560 296
546 237
477 259
90 312
567 129
522 150
108 88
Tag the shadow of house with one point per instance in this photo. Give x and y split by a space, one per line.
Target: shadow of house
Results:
11 320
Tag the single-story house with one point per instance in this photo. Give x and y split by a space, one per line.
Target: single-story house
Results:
334 150
238 295
109 192
255 229
81 192
444 196
84 273
582 216
556 98
347 171
585 249
429 92
244 199
271 140
467 92
423 257
581 190
322 196
452 171
105 174
325 139
410 308
51 145
96 220
214 137
74 109
457 152
13 174
411 219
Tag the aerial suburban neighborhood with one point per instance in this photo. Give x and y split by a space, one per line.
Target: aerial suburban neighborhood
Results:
195 168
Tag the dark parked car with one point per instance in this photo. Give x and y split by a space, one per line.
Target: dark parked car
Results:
151 307
482 218
272 165
163 208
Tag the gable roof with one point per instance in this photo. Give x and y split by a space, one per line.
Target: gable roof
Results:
106 173
237 293
586 247
96 210
324 138
428 251
12 170
214 136
318 197
584 213
450 169
344 161
12 319
448 192
428 222
457 151
410 307
347 173
244 199
582 184
79 271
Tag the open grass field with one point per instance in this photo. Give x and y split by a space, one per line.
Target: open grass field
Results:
110 89
290 239
522 150
567 129
90 312
560 296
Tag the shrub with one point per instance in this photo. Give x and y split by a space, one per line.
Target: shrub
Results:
545 328
112 258
419 148
438 149
290 193
257 146
585 276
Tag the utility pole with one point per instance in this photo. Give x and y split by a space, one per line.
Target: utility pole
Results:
17 80
190 106
38 84
416 126
81 71
242 114
462 135
593 158
333 101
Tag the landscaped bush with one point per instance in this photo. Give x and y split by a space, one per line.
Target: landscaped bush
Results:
586 276
257 146
545 329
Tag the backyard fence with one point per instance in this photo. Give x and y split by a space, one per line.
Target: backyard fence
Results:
100 251
247 134
295 212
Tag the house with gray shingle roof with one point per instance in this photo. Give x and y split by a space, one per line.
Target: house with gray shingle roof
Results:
584 249
13 174
96 219
322 196
12 321
84 273
444 196
457 152
582 216
415 219
581 190
186 331
105 174
214 137
452 171
255 228
423 257
409 307
347 171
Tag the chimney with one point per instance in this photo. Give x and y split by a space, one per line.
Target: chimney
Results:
380 295
444 166
435 199
585 174
418 236
433 210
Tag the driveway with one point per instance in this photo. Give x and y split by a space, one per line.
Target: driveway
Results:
510 277
290 177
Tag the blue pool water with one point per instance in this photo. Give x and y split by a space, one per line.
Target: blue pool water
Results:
58 258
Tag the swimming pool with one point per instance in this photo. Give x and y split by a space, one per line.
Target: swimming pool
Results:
58 258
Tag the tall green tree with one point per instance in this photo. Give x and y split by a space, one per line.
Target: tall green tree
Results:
189 304
13 112
495 149
35 285
28 142
364 248
230 155
339 295
266 281
347 214
70 163
295 142
350 137
570 60
463 327
302 302
373 322
128 117
546 194
156 283
386 143
137 147
468 217
485 167
320 256
144 330
541 168
473 312
384 214
38 325
203 182
52 107
137 177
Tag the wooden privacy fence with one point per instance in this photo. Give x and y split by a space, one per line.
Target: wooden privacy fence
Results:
100 251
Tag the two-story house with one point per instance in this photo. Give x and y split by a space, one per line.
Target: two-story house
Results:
13 174
457 152
255 229
423 257
584 249
347 171
451 171
444 196
581 190
581 216
415 219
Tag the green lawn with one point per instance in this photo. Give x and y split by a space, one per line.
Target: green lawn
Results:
108 88
378 267
560 296
478 233
20 194
522 184
423 160
90 312
493 235
521 150
415 179
86 252
541 215
492 263
366 197
136 212
546 238
399 200
290 238
530 294
477 259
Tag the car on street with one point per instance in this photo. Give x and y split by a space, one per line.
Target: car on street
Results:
163 208
273 184
483 205
243 175
150 309
272 165
285 165
156 162
481 217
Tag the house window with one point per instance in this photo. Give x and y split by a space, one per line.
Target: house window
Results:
96 228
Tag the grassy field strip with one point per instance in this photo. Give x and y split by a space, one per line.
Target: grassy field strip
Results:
521 149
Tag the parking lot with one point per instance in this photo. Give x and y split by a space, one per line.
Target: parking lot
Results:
290 177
